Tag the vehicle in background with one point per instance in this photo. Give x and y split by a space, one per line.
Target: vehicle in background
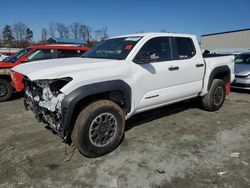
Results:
242 71
233 51
2 57
13 82
8 53
86 100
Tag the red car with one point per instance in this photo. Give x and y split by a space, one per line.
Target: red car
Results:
11 81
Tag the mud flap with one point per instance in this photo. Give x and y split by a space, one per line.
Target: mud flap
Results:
228 88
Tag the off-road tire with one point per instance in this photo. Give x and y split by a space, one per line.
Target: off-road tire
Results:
6 90
215 97
81 136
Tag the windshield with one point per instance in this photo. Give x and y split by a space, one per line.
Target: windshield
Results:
242 59
117 48
19 54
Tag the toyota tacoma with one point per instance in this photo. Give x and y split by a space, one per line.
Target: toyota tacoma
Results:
86 100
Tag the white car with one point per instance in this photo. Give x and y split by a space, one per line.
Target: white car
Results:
2 57
87 100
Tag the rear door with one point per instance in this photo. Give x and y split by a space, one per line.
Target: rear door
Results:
189 67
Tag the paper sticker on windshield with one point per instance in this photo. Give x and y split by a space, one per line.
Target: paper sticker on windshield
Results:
133 39
128 47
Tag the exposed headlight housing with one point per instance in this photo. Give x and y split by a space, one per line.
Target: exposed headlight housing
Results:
58 84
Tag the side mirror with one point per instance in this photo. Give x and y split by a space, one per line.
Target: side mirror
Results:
146 57
24 60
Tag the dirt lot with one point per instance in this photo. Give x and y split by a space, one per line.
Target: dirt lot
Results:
175 146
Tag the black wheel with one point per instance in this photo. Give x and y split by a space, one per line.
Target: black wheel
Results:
99 128
6 90
215 97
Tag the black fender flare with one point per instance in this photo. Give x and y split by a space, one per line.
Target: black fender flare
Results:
70 101
216 71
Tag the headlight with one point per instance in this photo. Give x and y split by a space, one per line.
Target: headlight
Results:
57 84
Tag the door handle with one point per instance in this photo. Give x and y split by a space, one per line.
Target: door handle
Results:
199 65
173 68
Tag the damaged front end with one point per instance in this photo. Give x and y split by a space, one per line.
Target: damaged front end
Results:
43 98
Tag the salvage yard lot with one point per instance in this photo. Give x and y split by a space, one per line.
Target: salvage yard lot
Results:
176 146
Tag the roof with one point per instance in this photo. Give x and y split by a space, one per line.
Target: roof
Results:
155 34
66 41
234 31
60 47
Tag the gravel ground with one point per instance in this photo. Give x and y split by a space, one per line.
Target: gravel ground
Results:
175 146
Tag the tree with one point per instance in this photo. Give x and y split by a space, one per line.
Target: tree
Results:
7 35
44 36
62 30
75 29
1 39
100 34
52 29
29 35
97 35
19 30
85 33
104 33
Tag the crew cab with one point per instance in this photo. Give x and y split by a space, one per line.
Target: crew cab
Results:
13 82
86 100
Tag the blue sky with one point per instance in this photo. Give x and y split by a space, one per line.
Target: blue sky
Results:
130 16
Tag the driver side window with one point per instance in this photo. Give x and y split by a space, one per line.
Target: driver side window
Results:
155 50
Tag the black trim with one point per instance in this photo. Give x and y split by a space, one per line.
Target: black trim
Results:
220 33
240 85
71 100
216 71
215 55
241 76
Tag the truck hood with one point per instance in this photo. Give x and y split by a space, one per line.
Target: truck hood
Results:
57 68
242 69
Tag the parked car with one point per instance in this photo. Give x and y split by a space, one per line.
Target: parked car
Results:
2 57
242 71
8 53
86 100
13 82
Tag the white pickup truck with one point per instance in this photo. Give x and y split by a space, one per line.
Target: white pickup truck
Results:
86 100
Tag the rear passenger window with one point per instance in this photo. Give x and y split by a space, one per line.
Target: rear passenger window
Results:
69 53
185 48
156 50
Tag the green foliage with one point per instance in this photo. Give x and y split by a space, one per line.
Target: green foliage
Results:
7 35
29 34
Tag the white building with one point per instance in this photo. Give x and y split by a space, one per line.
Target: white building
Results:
231 39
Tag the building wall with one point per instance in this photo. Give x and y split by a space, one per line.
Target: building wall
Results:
240 39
